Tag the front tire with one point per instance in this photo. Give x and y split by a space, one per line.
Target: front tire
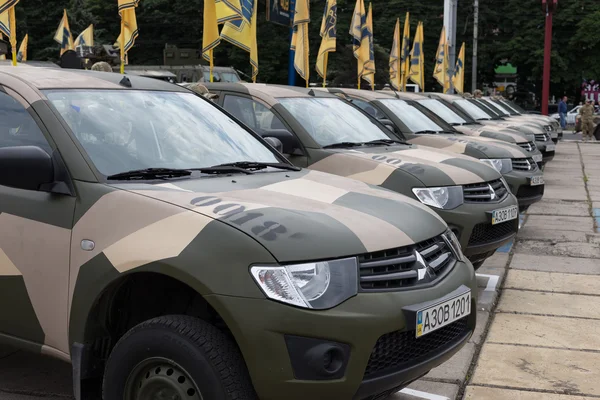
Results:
176 357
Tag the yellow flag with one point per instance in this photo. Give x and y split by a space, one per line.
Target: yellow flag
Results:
300 39
357 26
22 54
395 58
210 34
5 5
85 38
242 33
129 28
63 34
369 57
4 24
440 72
227 10
417 59
458 80
8 25
328 41
405 56
2 56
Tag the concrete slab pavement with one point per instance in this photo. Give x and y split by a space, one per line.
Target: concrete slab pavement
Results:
543 342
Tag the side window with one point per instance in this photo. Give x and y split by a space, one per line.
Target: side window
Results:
17 127
252 113
372 111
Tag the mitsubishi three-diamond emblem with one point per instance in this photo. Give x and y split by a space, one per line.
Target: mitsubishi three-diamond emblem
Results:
422 268
492 193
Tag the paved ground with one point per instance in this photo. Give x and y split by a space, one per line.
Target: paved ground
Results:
538 319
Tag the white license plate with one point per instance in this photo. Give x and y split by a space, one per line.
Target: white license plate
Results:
436 317
505 214
550 147
538 157
537 180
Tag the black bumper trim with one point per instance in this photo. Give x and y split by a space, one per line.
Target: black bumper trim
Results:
527 201
402 378
485 247
373 388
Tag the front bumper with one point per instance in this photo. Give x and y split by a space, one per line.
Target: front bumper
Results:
547 154
519 183
262 329
472 225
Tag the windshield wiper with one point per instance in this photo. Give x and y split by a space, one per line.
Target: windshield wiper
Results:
342 145
428 131
483 119
248 166
457 123
384 141
150 173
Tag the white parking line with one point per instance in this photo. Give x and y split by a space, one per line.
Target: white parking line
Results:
492 282
423 395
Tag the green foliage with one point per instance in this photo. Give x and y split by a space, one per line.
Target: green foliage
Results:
511 30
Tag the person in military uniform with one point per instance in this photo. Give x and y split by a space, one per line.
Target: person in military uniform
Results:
200 89
587 120
102 66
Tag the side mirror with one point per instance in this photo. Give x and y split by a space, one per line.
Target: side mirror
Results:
276 143
289 142
25 167
388 124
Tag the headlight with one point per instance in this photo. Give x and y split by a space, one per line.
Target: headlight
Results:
502 165
316 285
446 198
452 241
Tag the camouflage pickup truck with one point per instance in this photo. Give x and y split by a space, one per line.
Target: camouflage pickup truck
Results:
160 247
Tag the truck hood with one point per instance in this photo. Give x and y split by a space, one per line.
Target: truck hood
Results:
495 132
473 146
525 128
432 167
305 215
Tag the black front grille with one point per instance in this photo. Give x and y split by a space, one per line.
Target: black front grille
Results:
395 350
529 146
530 191
486 192
487 233
524 164
396 269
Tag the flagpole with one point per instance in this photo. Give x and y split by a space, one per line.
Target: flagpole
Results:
13 34
122 44
212 64
325 69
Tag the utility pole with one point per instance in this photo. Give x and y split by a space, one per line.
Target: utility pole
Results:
450 7
475 38
549 7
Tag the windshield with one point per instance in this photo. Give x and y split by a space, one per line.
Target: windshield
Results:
515 106
411 116
442 111
474 112
502 107
129 130
331 121
229 77
490 108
